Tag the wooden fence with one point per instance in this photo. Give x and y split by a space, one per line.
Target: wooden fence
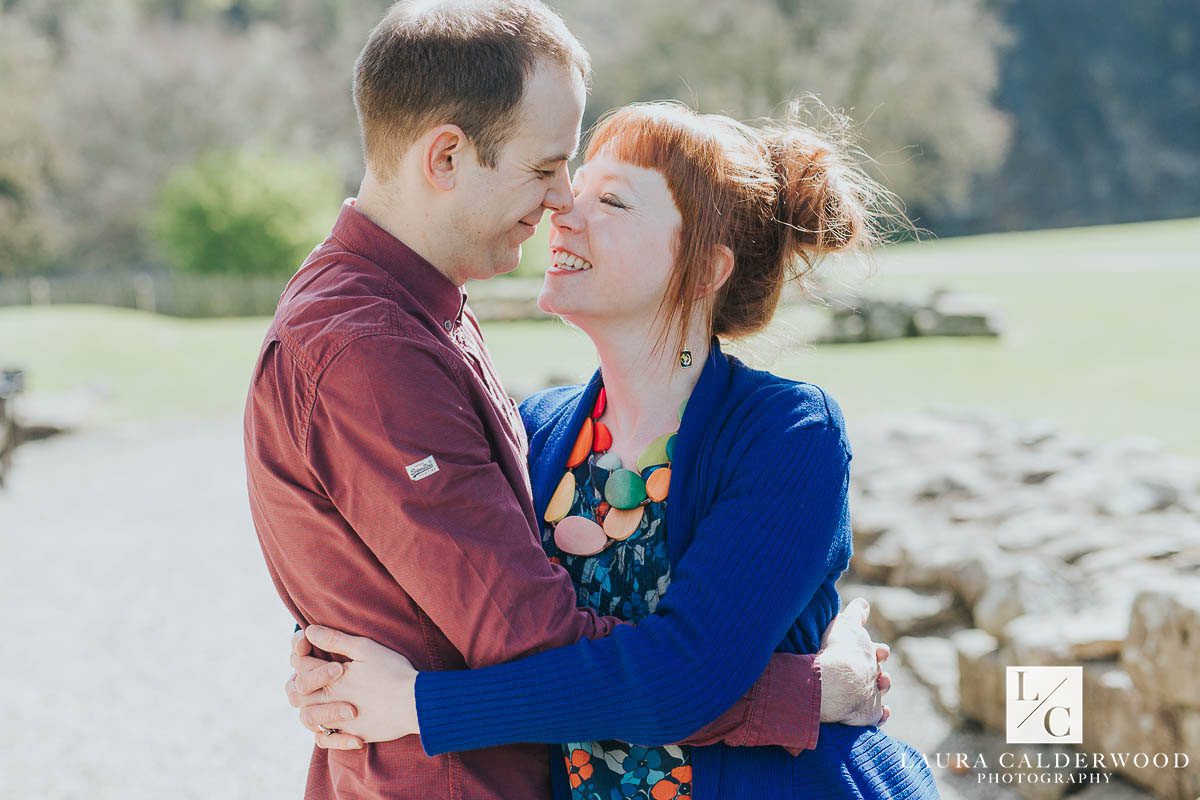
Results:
228 296
182 296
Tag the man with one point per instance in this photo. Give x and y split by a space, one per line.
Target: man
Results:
386 464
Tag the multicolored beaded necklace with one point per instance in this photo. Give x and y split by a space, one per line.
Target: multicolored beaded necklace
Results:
626 492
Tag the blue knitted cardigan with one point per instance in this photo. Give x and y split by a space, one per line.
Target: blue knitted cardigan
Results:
758 534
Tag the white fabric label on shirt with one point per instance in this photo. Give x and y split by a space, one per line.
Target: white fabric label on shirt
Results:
422 469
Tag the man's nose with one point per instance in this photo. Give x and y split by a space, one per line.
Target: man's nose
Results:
559 198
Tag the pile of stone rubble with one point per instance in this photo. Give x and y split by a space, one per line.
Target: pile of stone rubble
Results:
940 312
12 382
984 543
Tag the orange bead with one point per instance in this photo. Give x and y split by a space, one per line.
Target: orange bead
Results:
562 499
621 523
602 511
602 437
658 484
583 445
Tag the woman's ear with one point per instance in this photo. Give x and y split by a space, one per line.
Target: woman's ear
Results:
722 268
442 151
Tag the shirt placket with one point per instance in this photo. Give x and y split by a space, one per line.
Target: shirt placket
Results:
472 349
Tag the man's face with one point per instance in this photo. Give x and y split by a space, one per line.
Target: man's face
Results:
497 209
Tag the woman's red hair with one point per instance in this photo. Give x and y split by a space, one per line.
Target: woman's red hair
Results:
779 197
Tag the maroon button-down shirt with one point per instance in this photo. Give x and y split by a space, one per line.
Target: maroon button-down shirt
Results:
388 484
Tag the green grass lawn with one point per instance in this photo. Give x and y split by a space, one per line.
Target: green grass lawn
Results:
1102 336
1102 332
146 366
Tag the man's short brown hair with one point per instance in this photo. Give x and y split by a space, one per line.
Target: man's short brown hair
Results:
463 62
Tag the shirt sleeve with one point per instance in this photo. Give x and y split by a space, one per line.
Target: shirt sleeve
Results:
403 455
782 708
714 630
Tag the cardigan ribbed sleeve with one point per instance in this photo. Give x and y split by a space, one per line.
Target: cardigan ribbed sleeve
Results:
769 539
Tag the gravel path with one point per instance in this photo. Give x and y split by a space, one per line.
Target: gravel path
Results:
147 645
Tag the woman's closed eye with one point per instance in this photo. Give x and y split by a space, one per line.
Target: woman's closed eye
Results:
612 200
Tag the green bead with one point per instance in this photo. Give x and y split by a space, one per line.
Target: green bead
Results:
655 453
670 448
624 489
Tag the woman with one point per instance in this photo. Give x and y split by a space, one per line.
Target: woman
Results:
684 229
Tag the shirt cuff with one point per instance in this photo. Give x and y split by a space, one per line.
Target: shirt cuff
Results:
796 685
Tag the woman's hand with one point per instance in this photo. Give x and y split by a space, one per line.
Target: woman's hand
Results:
369 699
852 678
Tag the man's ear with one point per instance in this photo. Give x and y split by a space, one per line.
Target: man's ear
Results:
721 269
442 151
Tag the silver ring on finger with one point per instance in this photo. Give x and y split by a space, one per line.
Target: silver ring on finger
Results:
328 731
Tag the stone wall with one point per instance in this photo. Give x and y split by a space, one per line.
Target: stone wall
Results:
983 542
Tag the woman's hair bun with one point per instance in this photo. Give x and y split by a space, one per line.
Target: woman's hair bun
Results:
826 203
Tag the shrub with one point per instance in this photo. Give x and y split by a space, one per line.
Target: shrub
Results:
245 213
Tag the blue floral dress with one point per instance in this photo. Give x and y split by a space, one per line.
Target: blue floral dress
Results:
625 580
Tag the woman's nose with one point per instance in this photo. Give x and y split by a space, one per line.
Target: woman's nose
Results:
567 220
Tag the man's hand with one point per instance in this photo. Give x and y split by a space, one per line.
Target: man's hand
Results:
318 671
852 678
369 699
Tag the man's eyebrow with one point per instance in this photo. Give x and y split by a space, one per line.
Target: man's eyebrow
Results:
558 159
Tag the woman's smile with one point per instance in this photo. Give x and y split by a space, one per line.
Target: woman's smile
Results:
565 262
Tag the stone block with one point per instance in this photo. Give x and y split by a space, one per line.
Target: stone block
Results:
980 677
1117 720
900 612
1116 790
1029 588
1038 527
934 662
875 563
1067 639
1162 653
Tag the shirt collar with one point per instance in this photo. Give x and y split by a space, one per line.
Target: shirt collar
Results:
430 288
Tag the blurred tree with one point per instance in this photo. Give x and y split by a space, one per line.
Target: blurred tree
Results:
1105 100
245 213
134 101
101 99
323 22
46 17
916 75
28 229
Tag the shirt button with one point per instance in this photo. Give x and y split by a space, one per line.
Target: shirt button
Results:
448 325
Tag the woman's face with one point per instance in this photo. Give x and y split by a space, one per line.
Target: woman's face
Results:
612 254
